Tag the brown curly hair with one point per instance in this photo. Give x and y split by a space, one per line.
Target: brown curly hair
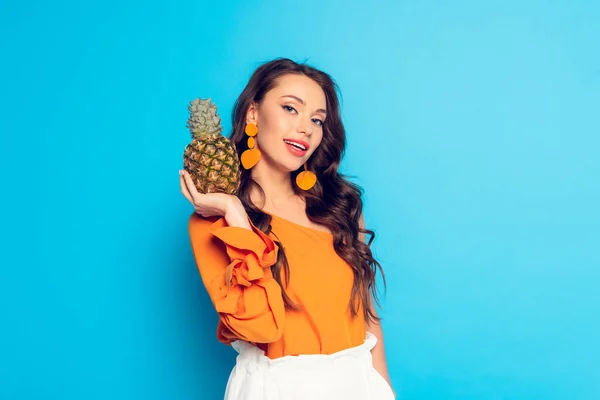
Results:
334 201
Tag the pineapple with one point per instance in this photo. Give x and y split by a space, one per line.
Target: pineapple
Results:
210 158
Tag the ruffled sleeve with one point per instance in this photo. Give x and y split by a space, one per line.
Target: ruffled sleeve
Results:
234 264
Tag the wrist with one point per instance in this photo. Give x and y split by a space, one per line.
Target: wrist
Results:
235 214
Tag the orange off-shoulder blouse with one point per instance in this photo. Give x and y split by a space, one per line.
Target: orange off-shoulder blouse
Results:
234 264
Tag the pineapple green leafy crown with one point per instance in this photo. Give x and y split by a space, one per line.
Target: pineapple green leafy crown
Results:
203 118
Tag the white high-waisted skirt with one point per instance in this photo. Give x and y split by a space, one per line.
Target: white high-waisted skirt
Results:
348 374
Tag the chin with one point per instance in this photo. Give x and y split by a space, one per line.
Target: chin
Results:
290 165
292 168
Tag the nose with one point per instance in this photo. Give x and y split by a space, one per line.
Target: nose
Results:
306 127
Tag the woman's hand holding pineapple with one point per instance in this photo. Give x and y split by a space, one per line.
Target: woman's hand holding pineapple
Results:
214 204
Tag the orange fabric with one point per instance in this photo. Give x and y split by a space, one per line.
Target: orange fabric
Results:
234 264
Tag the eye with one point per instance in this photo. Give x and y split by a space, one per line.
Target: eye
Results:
318 121
288 108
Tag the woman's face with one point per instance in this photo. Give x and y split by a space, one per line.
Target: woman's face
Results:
290 121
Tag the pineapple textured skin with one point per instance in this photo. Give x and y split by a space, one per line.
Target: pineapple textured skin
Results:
210 158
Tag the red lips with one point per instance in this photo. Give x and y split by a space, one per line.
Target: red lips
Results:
298 148
300 142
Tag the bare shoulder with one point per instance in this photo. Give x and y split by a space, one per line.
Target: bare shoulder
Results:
361 225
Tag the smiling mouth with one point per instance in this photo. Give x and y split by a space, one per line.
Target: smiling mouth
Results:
296 145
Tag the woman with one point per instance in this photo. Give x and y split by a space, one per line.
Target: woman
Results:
285 261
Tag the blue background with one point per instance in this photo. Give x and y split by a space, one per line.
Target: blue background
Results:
473 127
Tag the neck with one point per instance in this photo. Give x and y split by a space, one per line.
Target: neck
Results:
276 185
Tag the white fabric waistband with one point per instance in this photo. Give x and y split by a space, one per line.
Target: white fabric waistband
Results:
249 351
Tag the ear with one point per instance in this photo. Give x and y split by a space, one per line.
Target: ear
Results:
252 114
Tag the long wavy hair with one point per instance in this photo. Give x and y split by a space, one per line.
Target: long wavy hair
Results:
333 202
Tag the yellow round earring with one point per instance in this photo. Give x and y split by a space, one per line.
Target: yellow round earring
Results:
306 179
250 156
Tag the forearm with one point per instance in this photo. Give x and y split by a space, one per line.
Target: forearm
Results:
238 220
378 352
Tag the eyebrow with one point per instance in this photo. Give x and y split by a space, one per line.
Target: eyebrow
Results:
299 100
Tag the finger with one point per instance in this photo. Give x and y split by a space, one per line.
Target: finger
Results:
191 188
184 189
